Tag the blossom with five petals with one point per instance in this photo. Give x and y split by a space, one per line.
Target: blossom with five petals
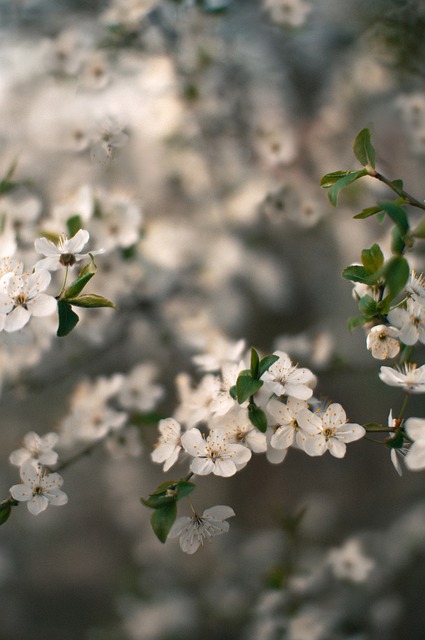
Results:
214 454
21 296
196 529
38 488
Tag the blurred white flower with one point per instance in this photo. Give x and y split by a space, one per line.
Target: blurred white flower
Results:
38 488
91 417
36 448
350 563
291 13
139 391
168 448
415 457
195 530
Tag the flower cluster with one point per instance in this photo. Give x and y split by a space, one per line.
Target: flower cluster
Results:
217 431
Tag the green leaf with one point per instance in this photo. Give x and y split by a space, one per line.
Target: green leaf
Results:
372 258
74 224
168 492
398 244
255 360
257 417
368 306
246 386
363 149
5 511
232 392
351 176
330 178
397 214
67 319
355 322
163 519
356 273
366 213
396 441
91 301
85 275
184 487
266 363
398 184
396 273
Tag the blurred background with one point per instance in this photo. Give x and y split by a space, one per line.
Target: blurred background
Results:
190 139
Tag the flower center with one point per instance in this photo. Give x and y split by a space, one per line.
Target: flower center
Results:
21 300
67 259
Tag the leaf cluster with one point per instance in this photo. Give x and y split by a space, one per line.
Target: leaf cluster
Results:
248 383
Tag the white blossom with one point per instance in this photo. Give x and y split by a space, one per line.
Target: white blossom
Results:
66 252
214 454
21 296
238 427
287 430
335 432
382 342
411 378
410 322
285 378
38 488
195 530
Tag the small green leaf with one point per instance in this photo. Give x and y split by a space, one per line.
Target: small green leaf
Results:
232 392
266 363
396 272
366 213
254 363
397 214
85 275
74 224
363 149
368 306
257 417
330 178
398 184
67 319
246 386
351 176
184 487
372 258
396 441
398 244
90 301
356 273
355 322
5 511
163 519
